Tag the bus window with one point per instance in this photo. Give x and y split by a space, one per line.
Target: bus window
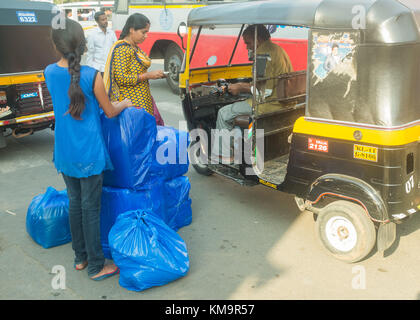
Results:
121 6
69 13
85 14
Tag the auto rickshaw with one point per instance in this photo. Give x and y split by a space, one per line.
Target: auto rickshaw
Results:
344 140
25 50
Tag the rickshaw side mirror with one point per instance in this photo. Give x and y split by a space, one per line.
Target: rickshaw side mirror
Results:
182 32
261 64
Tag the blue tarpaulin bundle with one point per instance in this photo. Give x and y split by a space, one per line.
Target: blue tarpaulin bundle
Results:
170 156
177 202
129 138
147 251
116 201
167 200
142 152
47 218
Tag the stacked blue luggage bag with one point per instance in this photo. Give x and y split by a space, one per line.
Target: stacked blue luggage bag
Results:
145 200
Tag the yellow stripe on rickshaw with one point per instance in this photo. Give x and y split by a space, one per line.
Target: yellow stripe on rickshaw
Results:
394 136
27 118
8 80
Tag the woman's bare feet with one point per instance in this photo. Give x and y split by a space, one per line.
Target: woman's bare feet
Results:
107 271
81 266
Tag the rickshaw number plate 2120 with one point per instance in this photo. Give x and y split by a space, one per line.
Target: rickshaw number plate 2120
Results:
317 144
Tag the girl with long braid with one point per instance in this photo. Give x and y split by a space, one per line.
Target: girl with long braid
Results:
80 154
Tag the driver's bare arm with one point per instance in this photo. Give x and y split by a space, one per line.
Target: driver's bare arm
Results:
240 87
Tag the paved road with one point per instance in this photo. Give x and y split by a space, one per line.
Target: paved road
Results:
243 243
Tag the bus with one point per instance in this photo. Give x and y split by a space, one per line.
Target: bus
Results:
84 12
163 42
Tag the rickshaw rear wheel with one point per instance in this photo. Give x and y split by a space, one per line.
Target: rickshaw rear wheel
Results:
194 156
346 231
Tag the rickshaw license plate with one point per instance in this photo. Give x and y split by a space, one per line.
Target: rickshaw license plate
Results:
365 153
317 144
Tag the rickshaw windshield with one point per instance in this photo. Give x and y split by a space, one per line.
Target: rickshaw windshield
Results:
217 46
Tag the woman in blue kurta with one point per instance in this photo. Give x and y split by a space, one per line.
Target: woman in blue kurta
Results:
80 154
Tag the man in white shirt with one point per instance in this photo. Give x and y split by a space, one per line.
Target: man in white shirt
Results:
99 42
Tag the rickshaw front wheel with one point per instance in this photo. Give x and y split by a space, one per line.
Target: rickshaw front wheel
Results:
196 160
346 231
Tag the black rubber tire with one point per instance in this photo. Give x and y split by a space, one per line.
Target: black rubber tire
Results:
200 168
363 225
172 64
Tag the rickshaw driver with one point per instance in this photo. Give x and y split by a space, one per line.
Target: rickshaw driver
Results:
278 64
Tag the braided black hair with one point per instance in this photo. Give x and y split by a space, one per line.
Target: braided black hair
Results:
71 43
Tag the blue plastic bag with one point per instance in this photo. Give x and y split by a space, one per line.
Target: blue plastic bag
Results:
47 218
170 153
129 138
116 201
177 202
147 251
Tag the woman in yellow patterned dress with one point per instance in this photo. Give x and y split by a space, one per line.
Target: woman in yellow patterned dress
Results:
126 74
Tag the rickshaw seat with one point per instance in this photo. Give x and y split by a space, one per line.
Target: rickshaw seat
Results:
291 89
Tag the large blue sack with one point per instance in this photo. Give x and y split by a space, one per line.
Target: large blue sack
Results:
116 201
170 153
168 200
147 251
177 202
47 218
129 138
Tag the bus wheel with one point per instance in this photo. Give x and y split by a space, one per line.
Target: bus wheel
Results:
194 154
172 64
345 230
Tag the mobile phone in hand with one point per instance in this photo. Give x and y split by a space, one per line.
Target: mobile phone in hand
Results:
165 73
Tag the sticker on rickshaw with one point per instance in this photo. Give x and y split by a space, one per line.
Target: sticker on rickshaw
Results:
29 95
26 17
365 153
317 145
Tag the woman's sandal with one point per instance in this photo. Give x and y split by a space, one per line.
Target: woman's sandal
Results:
107 275
80 266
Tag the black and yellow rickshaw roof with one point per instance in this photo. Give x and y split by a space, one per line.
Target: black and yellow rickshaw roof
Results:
388 21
